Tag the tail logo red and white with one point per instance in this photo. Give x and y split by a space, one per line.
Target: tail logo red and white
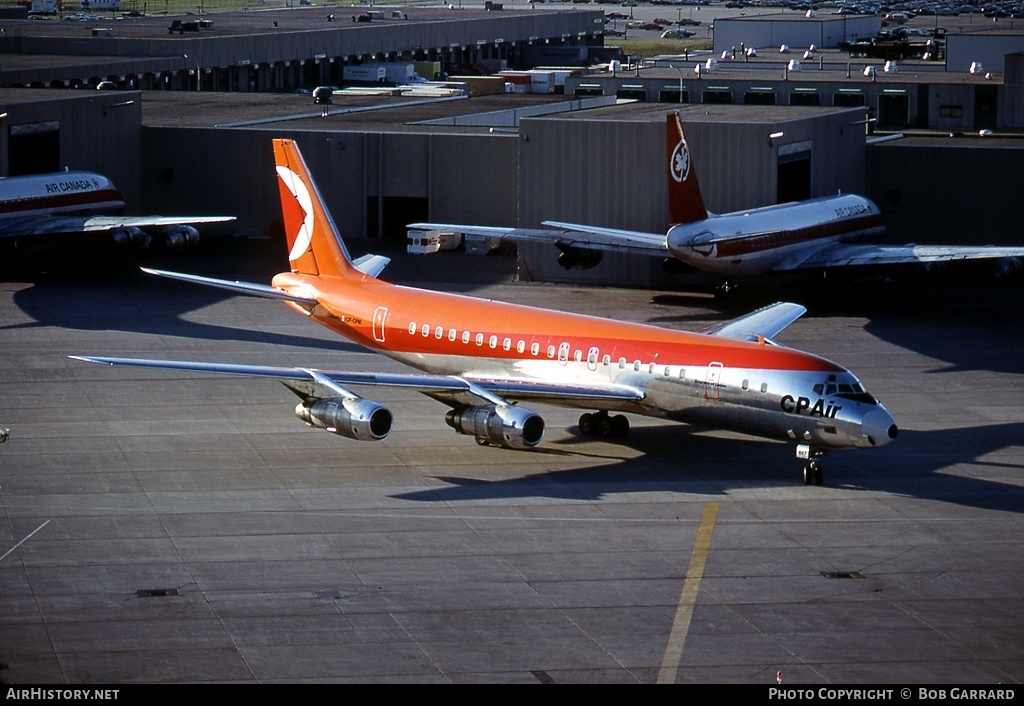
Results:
679 164
304 202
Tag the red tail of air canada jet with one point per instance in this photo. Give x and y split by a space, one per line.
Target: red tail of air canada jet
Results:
812 235
483 358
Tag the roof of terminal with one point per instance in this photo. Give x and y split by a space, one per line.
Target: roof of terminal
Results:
254 22
347 111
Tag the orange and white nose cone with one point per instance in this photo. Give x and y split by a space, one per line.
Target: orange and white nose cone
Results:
878 426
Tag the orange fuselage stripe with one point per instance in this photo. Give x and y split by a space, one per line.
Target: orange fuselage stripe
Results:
352 306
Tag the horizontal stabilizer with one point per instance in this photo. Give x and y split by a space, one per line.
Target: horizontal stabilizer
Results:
250 288
371 265
764 323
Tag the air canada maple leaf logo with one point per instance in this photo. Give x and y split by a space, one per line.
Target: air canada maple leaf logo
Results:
679 164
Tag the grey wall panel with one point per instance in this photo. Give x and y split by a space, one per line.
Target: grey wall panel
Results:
951 192
405 165
474 179
794 30
231 172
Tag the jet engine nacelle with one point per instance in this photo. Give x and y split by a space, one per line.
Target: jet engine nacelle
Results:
351 417
181 238
511 427
1009 268
579 258
130 238
676 267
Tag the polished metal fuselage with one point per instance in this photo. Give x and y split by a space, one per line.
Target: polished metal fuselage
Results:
681 376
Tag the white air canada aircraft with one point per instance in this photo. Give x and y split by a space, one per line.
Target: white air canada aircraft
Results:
67 207
817 234
482 358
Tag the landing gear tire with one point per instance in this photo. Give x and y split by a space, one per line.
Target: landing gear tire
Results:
603 425
813 474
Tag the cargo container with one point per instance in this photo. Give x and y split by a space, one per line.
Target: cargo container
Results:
424 242
430 70
481 244
480 85
530 81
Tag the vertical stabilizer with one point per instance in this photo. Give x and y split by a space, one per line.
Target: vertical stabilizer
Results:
314 245
685 204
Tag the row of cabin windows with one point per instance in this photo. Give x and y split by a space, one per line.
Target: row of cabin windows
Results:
563 351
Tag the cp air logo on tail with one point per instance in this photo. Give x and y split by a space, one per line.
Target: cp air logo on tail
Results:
298 213
314 246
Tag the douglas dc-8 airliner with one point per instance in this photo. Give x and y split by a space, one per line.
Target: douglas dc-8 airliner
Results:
817 234
482 358
66 210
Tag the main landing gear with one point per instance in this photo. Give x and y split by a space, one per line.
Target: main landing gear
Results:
813 474
602 424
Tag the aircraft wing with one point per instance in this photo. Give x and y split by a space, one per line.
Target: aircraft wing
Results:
842 254
566 235
103 223
21 226
764 323
491 390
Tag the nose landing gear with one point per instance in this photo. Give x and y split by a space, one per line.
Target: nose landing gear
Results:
813 474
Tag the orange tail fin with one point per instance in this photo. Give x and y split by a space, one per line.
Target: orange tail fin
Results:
685 203
314 245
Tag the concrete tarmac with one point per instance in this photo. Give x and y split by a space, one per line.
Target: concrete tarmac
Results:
161 527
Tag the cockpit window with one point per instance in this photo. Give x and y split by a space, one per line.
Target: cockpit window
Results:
856 393
850 391
862 397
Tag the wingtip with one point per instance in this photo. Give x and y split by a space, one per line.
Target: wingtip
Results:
83 358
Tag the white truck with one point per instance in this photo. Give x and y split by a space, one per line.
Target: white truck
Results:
397 73
364 73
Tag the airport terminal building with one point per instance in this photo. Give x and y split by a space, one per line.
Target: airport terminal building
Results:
593 153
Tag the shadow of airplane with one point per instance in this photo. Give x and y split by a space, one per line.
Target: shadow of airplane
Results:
924 464
967 323
100 291
134 302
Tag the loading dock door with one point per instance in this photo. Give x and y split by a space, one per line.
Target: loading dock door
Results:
893 111
34 148
793 175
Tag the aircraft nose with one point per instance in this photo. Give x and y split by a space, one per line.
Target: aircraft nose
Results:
878 426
